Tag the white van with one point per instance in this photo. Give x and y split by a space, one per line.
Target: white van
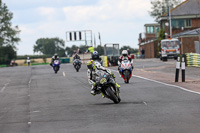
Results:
169 48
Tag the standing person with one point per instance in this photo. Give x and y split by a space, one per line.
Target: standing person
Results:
28 61
91 49
143 53
128 51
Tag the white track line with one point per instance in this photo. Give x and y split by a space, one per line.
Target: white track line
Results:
4 87
164 83
64 74
30 81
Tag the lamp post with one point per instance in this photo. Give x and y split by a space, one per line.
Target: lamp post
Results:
166 34
181 44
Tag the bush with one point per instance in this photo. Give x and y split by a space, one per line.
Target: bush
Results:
7 53
44 58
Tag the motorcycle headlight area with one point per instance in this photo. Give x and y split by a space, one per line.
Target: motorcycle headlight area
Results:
103 80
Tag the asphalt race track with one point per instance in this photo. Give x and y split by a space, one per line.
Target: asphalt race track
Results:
36 100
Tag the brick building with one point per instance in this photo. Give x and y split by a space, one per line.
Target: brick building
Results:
185 18
188 39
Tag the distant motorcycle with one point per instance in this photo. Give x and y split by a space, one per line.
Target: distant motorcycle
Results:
126 70
77 64
12 63
56 65
106 85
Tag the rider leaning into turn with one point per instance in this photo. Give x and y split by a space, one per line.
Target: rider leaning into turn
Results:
92 75
55 57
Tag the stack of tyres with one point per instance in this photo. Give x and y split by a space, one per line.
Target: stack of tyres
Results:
193 59
65 60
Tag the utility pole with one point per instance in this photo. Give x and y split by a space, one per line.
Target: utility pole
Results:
170 21
100 38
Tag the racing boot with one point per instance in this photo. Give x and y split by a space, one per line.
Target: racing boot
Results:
93 90
118 86
102 95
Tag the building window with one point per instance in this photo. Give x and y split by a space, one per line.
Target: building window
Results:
157 29
188 23
178 23
150 29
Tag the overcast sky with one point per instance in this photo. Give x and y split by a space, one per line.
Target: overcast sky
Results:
118 21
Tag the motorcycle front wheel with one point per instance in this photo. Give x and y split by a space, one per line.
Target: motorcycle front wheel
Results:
112 96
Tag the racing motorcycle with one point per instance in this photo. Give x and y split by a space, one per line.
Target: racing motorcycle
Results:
106 85
77 64
98 63
56 65
126 70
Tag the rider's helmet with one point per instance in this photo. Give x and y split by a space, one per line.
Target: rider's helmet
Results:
55 55
95 55
125 53
91 65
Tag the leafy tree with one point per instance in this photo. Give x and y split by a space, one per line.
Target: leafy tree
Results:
7 53
132 50
83 48
160 7
161 36
50 46
100 50
8 34
71 50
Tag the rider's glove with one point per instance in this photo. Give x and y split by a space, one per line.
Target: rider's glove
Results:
112 74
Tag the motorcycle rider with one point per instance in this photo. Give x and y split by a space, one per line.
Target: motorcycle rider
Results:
28 61
76 57
96 57
123 57
92 75
55 57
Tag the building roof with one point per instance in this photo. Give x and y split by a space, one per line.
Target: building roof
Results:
152 24
187 8
188 33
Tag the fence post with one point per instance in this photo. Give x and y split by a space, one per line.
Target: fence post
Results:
177 69
183 69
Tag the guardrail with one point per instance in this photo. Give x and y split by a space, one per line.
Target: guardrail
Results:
193 59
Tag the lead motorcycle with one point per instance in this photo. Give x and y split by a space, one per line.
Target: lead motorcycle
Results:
106 85
56 65
77 64
126 70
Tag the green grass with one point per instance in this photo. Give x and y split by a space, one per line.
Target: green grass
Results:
3 65
36 64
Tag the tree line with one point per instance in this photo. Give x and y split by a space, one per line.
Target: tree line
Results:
8 35
50 46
